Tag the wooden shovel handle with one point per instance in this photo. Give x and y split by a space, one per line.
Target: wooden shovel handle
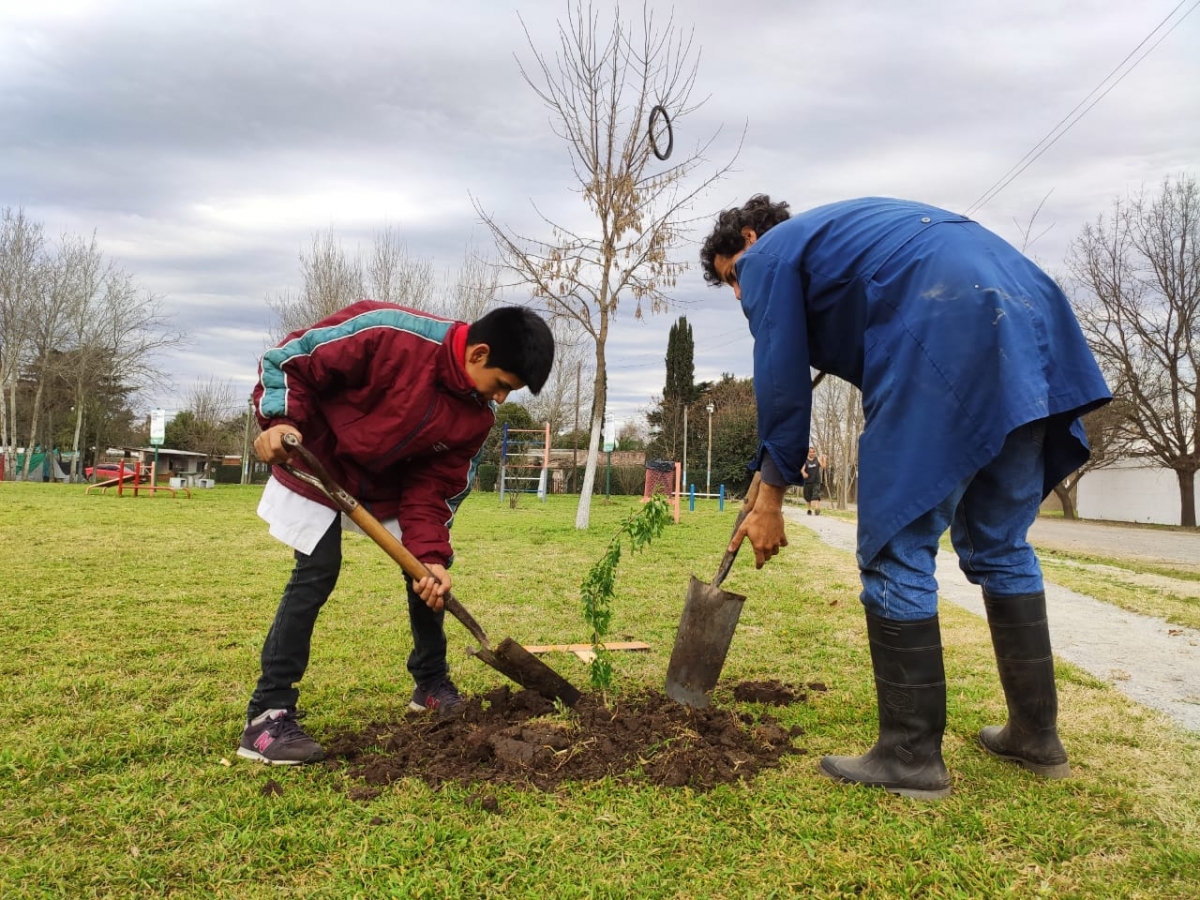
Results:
747 505
387 541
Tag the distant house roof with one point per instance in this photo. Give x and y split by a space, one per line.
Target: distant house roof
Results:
163 450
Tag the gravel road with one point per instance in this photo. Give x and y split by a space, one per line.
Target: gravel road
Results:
1152 662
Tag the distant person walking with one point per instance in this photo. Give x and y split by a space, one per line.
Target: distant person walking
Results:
813 469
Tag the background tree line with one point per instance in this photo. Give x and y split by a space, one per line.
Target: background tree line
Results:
78 341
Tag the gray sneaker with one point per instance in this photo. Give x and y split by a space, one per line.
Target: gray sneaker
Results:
441 695
276 738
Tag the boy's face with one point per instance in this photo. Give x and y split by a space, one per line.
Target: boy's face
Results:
490 384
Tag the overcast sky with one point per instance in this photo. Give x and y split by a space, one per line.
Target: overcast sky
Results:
205 142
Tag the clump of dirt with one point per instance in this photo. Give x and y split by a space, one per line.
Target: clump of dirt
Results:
773 692
518 738
271 789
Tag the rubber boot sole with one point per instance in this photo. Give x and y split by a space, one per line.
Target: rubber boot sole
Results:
827 768
1045 770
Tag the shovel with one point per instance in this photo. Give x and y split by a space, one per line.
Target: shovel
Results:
706 627
710 616
508 658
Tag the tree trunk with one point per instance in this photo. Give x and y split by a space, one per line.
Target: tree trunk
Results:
76 464
5 444
1066 496
600 402
1187 497
33 424
584 512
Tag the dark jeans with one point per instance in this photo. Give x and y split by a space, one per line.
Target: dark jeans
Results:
286 649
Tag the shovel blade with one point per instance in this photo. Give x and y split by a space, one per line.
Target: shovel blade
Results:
515 662
710 616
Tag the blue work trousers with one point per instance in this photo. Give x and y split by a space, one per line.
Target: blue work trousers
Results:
989 515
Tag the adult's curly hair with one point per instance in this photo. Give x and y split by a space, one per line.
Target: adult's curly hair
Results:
758 214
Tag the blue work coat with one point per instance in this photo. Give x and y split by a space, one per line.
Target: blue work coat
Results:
953 336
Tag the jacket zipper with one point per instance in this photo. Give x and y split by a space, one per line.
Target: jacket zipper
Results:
395 451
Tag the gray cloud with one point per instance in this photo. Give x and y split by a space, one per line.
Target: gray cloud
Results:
205 142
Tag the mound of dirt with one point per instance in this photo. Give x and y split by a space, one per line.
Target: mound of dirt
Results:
516 737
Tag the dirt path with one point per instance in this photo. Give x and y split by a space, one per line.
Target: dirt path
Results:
1180 549
1145 658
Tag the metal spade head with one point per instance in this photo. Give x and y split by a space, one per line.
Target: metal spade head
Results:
710 617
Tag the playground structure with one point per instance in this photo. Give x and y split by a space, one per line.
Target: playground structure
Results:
525 461
135 482
664 477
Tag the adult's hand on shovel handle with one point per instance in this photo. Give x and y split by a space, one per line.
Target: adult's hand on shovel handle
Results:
269 446
763 525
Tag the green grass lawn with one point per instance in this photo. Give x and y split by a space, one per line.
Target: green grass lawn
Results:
129 639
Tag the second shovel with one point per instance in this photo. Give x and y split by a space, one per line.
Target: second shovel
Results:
710 616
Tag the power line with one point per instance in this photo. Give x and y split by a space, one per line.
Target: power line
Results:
1029 158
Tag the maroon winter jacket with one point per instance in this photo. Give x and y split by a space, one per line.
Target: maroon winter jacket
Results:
381 397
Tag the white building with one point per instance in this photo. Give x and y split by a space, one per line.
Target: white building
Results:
1130 490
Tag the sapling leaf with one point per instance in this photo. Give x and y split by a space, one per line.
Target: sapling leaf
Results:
597 588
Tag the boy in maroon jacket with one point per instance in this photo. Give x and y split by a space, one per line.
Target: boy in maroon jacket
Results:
396 404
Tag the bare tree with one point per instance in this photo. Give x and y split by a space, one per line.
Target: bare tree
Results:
84 361
569 388
600 87
129 334
21 248
214 405
837 424
394 275
1109 440
475 289
1139 305
58 283
332 280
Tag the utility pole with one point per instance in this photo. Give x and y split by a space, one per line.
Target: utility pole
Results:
609 443
575 436
708 471
685 472
246 442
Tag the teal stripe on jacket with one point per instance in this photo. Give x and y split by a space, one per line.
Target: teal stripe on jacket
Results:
274 380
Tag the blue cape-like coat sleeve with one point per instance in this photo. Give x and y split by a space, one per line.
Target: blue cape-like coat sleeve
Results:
773 302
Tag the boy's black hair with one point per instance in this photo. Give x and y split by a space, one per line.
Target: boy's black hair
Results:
758 214
520 342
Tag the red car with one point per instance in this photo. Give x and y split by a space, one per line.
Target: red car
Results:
109 471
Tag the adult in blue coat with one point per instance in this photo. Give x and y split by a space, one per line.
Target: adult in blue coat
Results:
974 373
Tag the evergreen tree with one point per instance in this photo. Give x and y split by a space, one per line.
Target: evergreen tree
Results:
680 391
681 364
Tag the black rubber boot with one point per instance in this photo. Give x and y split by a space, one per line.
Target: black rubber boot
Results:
1021 636
910 685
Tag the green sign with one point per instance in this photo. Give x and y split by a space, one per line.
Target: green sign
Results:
158 427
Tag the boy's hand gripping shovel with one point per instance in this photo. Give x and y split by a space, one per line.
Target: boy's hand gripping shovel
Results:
508 657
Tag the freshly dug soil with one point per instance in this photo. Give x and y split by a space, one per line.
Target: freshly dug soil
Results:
516 737
775 693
